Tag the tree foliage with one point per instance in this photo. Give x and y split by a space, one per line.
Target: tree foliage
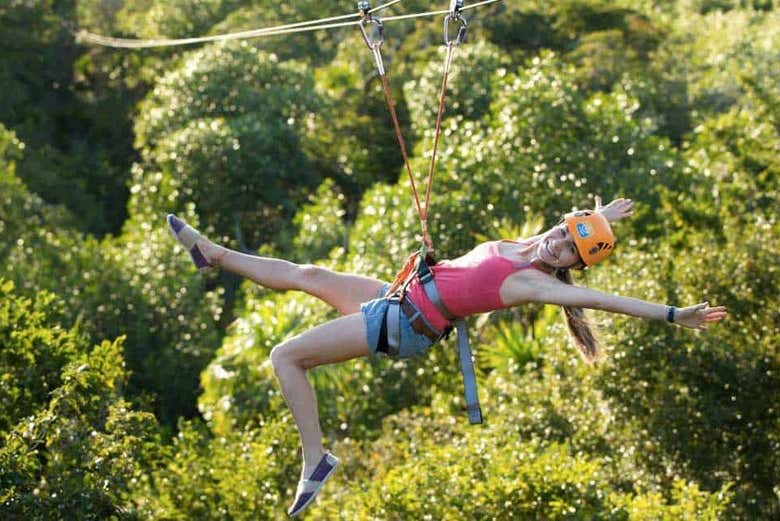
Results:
111 288
224 131
76 447
133 387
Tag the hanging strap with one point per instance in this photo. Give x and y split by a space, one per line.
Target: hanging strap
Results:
464 348
390 330
467 369
394 327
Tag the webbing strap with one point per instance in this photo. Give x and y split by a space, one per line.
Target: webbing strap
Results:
431 291
394 327
464 348
467 369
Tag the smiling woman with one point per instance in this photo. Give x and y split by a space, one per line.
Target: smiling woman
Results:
405 320
558 248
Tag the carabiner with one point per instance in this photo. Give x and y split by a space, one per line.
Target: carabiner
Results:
375 35
455 16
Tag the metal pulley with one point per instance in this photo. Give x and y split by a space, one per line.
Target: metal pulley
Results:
364 6
372 28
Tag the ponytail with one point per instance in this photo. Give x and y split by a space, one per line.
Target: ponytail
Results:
578 325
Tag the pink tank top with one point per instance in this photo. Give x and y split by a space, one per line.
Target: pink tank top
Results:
467 285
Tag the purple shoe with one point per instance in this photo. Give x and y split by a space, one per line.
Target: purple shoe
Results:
188 237
308 488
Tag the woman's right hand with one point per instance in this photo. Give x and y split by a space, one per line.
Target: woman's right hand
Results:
618 209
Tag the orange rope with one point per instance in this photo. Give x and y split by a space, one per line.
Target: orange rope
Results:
437 133
402 144
422 211
403 275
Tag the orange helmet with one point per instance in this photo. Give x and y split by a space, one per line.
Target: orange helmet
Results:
592 235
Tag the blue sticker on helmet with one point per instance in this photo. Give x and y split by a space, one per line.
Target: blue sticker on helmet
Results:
584 230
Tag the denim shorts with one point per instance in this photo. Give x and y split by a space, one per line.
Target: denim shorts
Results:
412 343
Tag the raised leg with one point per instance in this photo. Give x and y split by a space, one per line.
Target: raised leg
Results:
343 291
335 341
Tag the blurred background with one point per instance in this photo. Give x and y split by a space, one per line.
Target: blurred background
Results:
132 387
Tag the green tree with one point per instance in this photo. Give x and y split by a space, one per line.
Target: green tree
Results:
356 144
72 117
79 455
173 19
223 131
34 352
722 50
140 285
697 401
245 475
313 47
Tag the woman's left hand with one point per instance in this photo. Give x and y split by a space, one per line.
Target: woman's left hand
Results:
699 316
618 209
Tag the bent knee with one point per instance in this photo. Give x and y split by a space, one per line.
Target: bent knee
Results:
280 356
284 355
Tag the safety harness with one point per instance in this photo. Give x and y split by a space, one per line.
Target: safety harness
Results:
390 331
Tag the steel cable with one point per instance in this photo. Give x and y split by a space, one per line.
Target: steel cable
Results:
298 27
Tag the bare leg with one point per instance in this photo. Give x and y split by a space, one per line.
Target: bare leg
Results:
335 341
343 291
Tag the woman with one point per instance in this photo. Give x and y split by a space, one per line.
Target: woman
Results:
494 275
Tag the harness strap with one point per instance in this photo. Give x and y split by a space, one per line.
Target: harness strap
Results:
390 335
431 291
393 317
467 369
464 348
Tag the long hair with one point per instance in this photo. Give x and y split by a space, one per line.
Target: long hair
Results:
578 325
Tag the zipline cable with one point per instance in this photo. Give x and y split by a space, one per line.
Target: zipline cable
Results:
298 27
126 43
130 43
435 13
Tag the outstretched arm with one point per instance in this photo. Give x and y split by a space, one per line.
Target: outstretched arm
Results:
552 291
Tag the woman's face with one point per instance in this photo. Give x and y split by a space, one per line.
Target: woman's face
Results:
556 248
